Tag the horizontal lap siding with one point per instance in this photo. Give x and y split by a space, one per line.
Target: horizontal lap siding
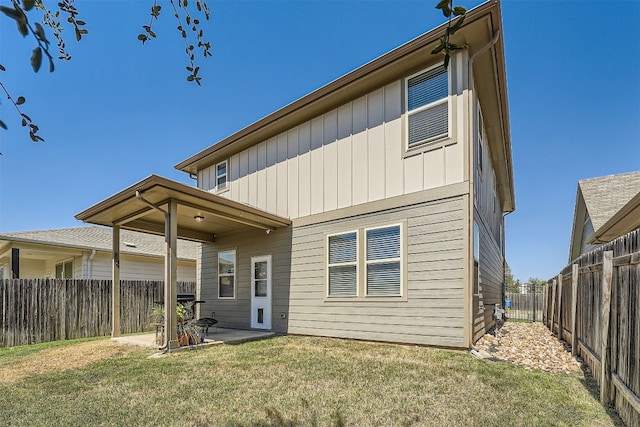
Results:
137 268
434 312
491 277
235 313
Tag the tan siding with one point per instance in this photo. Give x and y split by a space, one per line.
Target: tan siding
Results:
394 179
345 161
348 156
139 268
434 280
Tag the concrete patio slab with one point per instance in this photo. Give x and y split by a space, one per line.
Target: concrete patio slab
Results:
219 336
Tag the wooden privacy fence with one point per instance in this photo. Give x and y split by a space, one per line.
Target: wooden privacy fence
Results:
594 304
41 310
525 306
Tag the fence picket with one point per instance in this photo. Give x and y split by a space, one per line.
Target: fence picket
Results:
41 310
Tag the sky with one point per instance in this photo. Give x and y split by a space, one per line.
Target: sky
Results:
119 111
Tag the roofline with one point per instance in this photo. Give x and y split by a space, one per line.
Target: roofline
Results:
82 247
630 207
188 165
155 180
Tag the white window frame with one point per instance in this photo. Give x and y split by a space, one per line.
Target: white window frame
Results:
446 99
343 264
398 259
63 262
225 186
234 274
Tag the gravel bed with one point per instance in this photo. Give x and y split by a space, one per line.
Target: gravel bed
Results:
531 345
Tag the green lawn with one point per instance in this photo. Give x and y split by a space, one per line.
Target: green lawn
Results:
284 381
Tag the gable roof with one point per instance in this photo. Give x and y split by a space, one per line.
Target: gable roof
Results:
100 238
609 202
481 25
604 196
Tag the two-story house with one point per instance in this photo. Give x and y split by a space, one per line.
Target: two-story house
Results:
372 208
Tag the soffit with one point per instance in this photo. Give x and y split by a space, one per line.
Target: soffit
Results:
221 216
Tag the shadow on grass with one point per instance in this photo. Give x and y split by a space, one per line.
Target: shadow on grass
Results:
590 383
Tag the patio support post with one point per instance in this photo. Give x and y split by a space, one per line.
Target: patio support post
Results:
170 265
115 284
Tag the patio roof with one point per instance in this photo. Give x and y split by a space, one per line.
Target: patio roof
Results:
201 216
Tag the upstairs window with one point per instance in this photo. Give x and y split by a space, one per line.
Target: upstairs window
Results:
221 175
428 106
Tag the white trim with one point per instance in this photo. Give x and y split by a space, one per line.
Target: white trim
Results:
263 303
448 99
234 275
216 177
386 260
341 264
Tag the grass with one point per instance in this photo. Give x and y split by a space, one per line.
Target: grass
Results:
284 381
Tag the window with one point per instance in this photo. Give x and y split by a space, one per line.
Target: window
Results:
366 263
221 175
383 261
480 149
64 270
427 106
343 264
227 274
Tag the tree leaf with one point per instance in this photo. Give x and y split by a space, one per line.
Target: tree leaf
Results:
2 68
36 59
10 12
455 27
2 125
52 67
446 60
438 49
21 100
459 10
28 4
40 33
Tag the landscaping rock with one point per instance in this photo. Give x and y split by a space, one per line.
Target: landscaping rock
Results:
531 345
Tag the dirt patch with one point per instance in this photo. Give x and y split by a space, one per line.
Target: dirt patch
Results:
531 345
63 358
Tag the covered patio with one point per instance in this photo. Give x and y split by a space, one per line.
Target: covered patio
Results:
161 206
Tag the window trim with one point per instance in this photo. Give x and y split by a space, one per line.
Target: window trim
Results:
361 265
356 263
386 260
63 262
437 141
235 273
225 187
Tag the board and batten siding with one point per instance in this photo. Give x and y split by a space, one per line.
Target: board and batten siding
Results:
347 156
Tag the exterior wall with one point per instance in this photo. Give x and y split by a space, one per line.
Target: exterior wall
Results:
431 313
351 155
235 313
138 268
490 224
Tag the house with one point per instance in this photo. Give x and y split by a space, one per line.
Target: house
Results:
372 208
606 208
85 253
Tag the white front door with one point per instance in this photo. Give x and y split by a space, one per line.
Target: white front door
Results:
261 292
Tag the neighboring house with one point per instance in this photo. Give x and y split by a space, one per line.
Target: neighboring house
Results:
606 208
369 209
85 253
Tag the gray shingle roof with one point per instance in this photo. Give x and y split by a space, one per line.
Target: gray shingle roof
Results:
99 238
606 195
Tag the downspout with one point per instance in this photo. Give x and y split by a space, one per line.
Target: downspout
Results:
471 141
93 253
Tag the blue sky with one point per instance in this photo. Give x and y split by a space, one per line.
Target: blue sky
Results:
119 111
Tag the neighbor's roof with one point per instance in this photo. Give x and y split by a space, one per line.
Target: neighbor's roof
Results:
100 238
605 196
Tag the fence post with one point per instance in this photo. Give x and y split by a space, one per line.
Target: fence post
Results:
553 303
574 308
560 306
605 373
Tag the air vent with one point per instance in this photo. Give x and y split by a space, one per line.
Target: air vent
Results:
129 244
